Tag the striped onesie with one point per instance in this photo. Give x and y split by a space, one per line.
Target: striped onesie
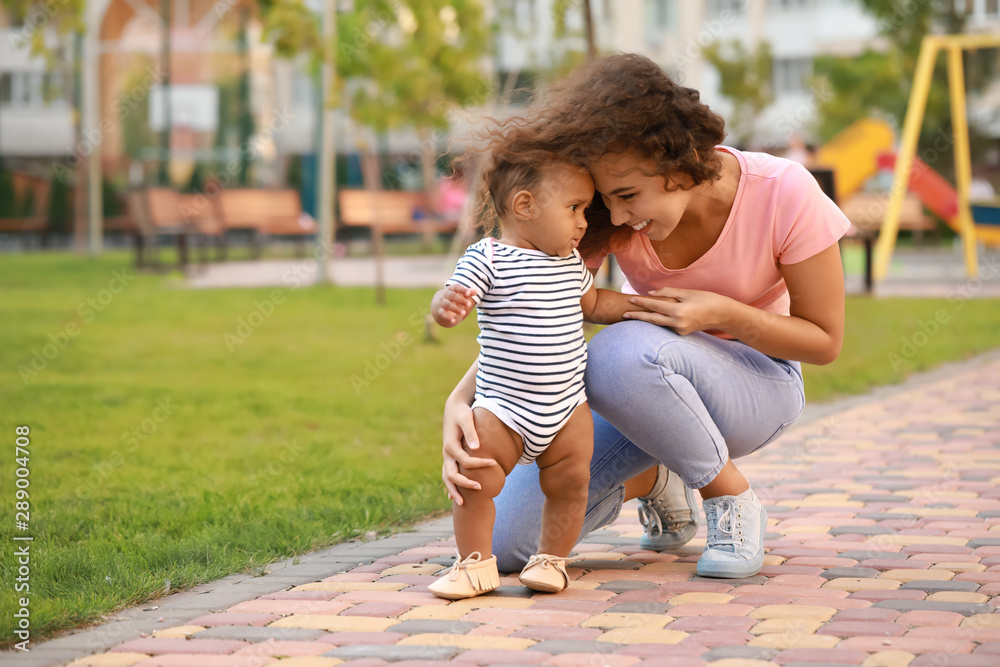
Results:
532 351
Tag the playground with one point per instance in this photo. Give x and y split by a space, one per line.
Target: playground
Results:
235 451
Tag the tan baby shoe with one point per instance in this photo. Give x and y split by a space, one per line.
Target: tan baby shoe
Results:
468 578
546 573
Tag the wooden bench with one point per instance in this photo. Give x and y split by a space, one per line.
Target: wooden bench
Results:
866 211
155 213
397 212
37 222
265 214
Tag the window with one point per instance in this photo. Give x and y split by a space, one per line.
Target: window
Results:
30 89
992 7
790 4
791 75
6 88
716 7
660 19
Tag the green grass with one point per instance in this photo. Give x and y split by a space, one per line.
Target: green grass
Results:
277 447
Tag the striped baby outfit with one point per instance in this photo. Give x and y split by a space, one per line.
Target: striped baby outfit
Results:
532 351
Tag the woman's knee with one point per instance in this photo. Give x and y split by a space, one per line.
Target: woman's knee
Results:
618 354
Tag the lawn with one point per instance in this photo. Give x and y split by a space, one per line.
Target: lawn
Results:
178 436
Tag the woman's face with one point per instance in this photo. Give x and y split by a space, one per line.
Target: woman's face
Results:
637 200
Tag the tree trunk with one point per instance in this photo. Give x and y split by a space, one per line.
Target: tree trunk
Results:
588 21
428 159
372 175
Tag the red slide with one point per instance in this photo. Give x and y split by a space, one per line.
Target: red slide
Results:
934 191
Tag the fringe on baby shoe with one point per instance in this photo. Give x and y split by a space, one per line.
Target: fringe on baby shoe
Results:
468 578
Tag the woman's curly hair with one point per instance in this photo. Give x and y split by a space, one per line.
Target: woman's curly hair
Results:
615 104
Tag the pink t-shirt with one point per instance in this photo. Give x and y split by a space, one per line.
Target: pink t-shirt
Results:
780 216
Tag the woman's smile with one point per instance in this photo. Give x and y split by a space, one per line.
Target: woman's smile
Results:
641 225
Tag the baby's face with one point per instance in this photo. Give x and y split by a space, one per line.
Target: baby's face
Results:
562 197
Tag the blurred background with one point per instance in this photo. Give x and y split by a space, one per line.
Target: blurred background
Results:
221 225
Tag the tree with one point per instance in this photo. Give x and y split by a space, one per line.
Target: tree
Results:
745 79
410 63
877 83
289 24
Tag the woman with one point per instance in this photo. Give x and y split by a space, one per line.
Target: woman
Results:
745 245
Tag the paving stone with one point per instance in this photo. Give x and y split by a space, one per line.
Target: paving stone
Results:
849 573
739 653
639 607
867 614
501 657
620 586
952 660
813 656
394 653
607 565
879 498
963 608
888 516
258 634
933 586
861 530
557 632
423 626
862 628
557 646
862 555
154 646
984 542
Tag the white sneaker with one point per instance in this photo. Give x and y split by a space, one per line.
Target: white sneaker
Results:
669 515
735 546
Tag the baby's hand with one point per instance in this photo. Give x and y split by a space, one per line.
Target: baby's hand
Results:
451 304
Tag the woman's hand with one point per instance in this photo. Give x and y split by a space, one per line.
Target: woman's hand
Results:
451 304
458 428
683 310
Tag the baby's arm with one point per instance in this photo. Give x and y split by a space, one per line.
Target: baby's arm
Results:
605 306
451 304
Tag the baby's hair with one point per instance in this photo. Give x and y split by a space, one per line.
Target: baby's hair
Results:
512 156
611 105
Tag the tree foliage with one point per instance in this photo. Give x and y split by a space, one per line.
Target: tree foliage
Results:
878 82
409 62
745 79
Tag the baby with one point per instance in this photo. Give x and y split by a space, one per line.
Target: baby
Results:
533 292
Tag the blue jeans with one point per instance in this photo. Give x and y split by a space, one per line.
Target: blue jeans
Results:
690 402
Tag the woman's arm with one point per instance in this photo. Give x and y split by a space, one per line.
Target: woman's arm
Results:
458 426
813 332
605 306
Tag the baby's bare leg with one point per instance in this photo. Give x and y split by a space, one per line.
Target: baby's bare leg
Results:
564 473
474 518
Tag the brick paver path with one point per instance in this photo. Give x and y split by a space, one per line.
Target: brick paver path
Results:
884 550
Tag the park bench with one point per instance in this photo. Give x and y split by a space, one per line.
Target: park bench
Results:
35 223
866 211
397 212
265 214
156 213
